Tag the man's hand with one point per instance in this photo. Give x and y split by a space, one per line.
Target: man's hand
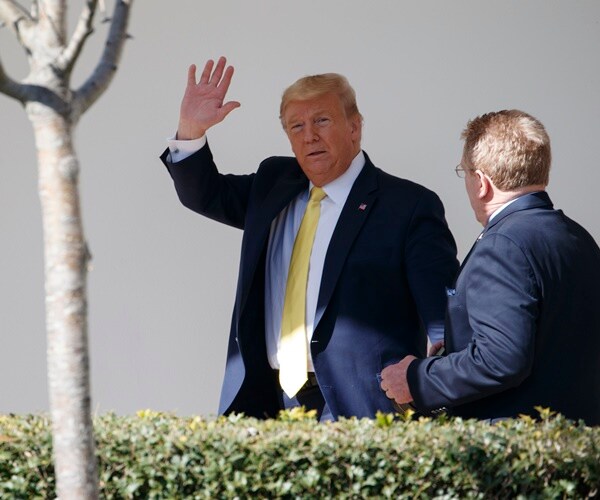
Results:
202 104
435 348
394 383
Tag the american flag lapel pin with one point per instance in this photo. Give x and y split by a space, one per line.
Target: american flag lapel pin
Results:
362 206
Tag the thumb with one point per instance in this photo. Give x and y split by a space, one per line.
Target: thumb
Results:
228 107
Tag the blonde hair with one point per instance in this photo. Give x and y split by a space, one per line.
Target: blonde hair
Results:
510 146
310 87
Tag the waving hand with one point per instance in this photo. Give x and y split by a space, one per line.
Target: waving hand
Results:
202 105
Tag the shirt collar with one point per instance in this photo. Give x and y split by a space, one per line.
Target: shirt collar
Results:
338 189
498 210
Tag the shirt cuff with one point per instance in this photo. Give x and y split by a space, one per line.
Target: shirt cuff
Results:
180 150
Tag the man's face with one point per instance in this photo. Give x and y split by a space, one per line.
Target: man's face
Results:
323 139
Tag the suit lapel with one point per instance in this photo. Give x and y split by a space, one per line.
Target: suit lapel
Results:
354 214
467 257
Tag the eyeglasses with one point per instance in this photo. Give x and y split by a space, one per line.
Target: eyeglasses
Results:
460 171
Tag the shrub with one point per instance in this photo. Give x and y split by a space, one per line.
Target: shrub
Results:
156 455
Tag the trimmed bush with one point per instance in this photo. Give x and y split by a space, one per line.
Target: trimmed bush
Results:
155 455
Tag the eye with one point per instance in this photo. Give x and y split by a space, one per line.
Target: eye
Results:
295 127
322 120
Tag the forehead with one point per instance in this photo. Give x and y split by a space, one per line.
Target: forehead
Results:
327 103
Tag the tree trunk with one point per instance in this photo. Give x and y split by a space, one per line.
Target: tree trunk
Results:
66 258
54 108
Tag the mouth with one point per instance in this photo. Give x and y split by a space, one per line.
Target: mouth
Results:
315 154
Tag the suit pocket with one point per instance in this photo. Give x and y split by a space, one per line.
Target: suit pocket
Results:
454 299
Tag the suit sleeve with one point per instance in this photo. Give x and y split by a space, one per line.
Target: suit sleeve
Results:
201 188
501 305
431 263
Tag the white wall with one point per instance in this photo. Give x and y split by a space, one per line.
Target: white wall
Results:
163 282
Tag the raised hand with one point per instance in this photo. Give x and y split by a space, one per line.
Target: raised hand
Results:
202 104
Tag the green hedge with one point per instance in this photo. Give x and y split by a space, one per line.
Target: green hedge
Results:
156 455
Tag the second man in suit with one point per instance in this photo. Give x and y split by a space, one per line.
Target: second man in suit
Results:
523 322
343 267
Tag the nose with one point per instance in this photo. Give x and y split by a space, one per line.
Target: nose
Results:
310 133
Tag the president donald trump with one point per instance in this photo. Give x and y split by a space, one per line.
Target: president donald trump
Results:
343 267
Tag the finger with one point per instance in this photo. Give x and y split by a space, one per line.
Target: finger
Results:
218 73
191 76
384 385
206 71
228 108
224 85
434 347
385 372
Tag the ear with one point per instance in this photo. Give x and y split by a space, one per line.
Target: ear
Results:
356 127
485 189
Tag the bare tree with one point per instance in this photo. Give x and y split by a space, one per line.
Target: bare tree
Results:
54 110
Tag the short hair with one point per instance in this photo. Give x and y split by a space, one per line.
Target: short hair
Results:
510 146
310 87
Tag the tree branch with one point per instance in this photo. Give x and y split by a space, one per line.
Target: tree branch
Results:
12 88
53 15
11 12
18 19
82 31
34 9
105 70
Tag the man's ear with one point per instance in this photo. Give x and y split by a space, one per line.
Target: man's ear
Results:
485 185
356 126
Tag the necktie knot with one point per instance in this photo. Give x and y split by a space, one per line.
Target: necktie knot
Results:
317 194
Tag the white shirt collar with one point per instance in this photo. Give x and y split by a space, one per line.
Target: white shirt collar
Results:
498 210
502 207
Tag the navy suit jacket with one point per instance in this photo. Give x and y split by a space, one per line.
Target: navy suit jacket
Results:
390 258
523 322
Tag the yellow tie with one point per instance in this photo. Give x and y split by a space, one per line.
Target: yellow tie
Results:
292 348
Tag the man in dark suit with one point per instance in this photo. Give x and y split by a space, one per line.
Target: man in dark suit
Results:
523 318
361 296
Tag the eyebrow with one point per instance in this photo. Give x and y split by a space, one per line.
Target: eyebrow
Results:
318 112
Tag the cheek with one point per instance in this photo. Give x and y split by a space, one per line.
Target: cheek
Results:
338 142
294 143
471 197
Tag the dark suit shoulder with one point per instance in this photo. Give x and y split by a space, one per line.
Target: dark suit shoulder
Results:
404 192
547 237
394 182
278 166
538 223
276 170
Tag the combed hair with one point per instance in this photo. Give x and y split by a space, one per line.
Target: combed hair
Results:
510 146
311 87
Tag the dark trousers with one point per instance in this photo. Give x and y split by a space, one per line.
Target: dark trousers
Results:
309 396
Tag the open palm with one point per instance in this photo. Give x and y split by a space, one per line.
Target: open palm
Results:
202 105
